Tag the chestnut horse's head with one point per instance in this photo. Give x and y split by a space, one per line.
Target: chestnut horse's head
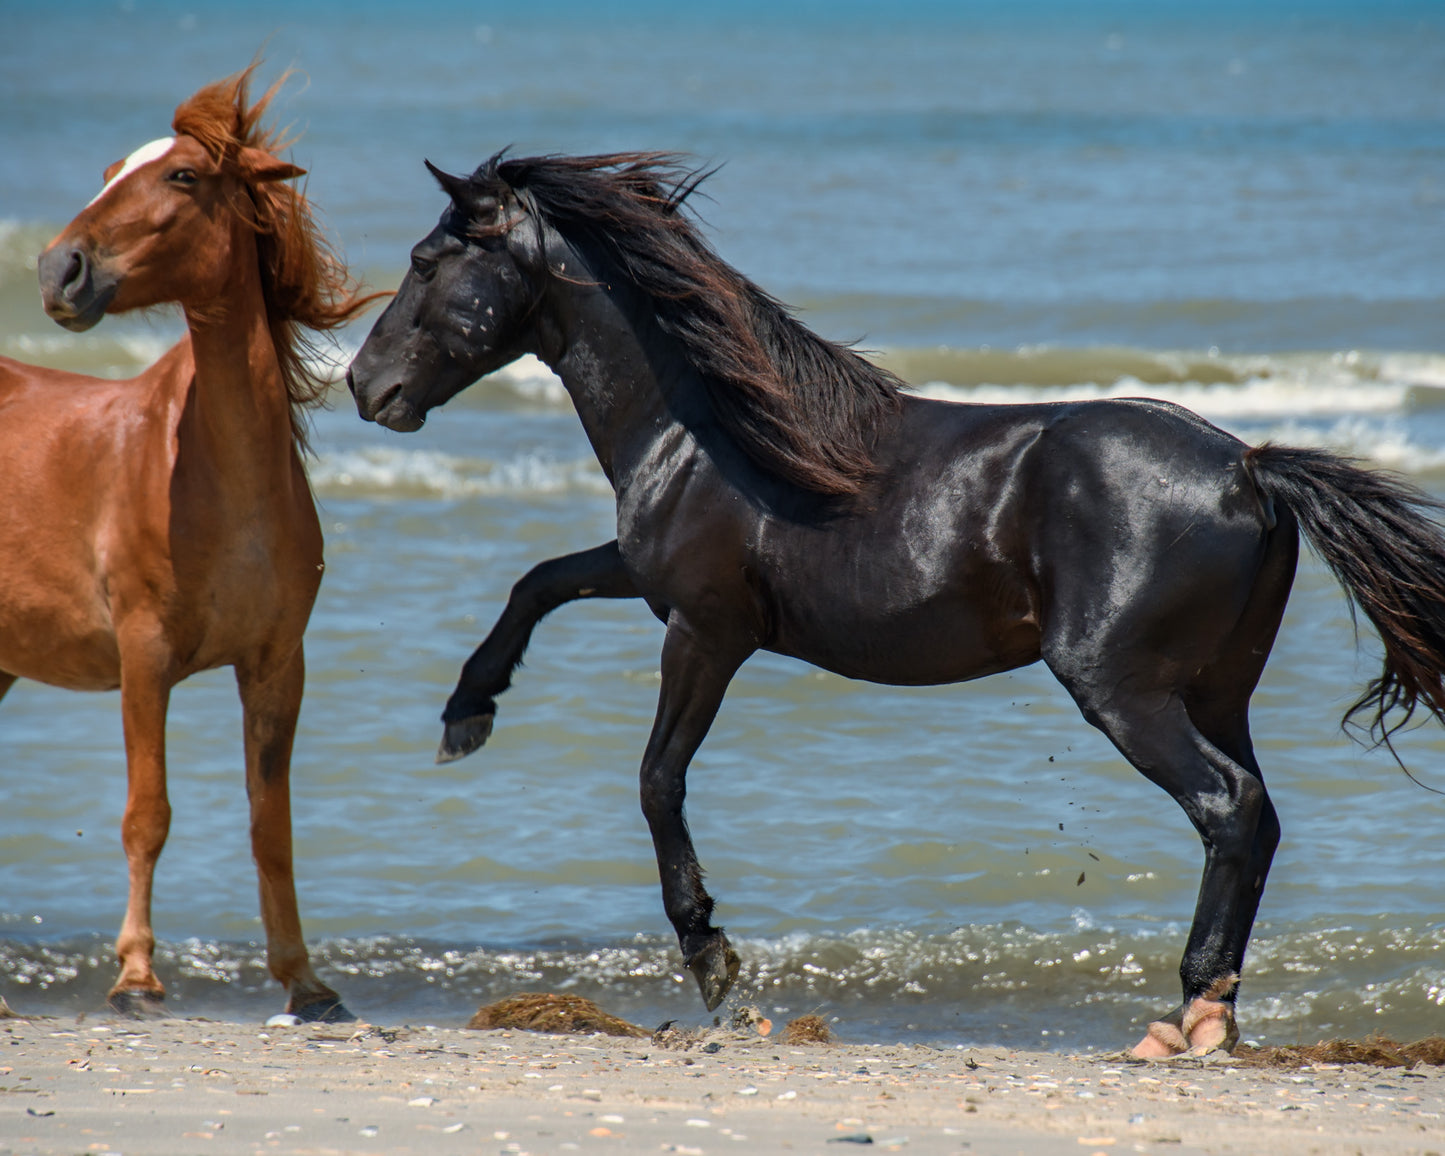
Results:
176 216
162 227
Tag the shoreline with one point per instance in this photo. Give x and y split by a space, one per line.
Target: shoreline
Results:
96 1084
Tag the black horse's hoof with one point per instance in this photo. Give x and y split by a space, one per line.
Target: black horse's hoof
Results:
138 1004
464 736
323 1011
716 967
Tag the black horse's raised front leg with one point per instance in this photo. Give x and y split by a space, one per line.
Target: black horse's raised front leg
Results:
695 677
594 573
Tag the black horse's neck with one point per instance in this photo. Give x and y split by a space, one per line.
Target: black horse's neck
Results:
710 365
633 386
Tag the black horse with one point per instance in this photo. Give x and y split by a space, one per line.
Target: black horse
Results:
776 491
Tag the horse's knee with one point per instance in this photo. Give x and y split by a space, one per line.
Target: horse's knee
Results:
661 795
144 829
1238 824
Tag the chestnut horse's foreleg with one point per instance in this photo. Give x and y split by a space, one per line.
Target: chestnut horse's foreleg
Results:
271 703
695 677
145 690
595 573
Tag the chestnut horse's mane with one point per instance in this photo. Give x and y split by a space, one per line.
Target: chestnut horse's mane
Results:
304 280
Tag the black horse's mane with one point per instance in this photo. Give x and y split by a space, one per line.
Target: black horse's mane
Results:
804 408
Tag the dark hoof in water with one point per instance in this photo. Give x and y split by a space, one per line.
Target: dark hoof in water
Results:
716 968
464 736
138 1005
322 1011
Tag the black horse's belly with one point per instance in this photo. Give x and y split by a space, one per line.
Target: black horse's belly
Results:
948 637
918 593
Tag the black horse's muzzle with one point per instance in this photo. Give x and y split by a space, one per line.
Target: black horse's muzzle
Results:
386 407
74 290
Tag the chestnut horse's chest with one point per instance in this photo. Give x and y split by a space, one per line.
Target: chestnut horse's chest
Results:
241 576
111 527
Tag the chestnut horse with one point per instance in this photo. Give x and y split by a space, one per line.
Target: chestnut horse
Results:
775 491
164 525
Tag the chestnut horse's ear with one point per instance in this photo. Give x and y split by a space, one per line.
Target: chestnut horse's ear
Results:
260 166
462 192
110 171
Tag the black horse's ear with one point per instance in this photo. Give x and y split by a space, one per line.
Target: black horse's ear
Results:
463 192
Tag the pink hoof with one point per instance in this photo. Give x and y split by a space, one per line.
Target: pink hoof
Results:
1209 1021
1161 1041
1205 1025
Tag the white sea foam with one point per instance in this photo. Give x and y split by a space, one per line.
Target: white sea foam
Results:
530 379
1263 387
1422 369
20 246
110 351
145 348
328 361
1316 391
1388 443
427 473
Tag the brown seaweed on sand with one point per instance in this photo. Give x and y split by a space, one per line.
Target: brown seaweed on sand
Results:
1376 1051
808 1029
556 1014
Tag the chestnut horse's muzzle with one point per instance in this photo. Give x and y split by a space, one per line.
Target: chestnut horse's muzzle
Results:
75 293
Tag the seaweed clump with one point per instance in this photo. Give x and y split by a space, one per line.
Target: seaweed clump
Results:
1376 1052
808 1029
570 1015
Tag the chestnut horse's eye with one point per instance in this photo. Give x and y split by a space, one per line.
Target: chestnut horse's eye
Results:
183 177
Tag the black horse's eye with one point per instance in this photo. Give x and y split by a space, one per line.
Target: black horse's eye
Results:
423 267
183 177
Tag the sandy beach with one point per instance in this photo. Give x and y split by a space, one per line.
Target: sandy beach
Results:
198 1086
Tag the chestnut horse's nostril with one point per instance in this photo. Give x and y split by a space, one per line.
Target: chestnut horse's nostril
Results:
76 276
75 290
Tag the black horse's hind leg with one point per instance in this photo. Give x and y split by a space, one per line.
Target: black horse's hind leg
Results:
595 573
695 677
1229 807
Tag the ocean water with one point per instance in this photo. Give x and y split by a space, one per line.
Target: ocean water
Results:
1235 207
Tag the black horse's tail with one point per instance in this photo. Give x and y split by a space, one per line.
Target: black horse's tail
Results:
1373 531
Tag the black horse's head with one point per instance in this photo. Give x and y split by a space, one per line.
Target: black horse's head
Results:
463 310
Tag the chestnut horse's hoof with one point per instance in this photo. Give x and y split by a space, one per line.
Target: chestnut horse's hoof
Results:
716 967
464 736
328 1010
138 1004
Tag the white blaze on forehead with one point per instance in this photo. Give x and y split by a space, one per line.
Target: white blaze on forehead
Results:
143 155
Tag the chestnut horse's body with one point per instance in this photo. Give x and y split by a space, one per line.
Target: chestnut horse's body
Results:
164 525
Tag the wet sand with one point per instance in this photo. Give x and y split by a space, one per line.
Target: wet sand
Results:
195 1086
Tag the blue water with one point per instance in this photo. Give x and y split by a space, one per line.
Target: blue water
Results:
1236 206
1091 165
